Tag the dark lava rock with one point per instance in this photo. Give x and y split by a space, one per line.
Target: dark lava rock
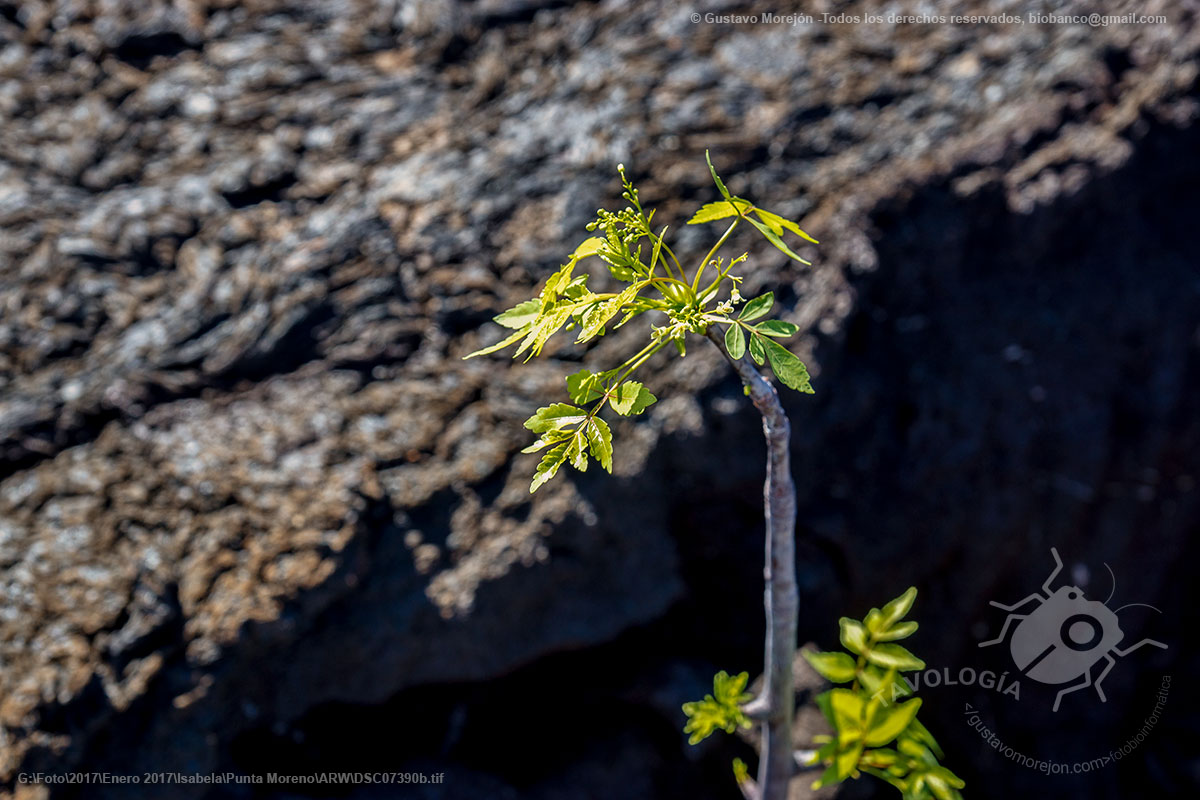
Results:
250 490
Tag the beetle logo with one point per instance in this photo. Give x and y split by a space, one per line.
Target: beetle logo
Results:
1066 635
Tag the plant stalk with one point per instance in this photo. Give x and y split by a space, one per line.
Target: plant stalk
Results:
776 764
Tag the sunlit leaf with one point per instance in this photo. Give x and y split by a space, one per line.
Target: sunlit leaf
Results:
835 667
776 327
718 210
852 634
500 345
554 417
735 341
787 367
894 656
600 442
889 722
519 315
631 398
758 307
774 239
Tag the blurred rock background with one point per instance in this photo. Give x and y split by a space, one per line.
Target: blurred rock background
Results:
257 515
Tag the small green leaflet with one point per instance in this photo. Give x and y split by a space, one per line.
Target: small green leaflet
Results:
756 348
720 710
500 345
776 327
577 450
599 315
542 329
774 239
901 630
777 224
585 386
721 209
895 610
757 307
631 398
588 247
787 366
720 186
853 635
599 438
835 667
894 656
890 722
735 341
554 417
549 465
519 315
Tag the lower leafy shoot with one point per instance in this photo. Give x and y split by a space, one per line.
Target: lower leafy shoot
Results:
875 729
721 710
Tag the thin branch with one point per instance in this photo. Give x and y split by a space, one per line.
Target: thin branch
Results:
781 601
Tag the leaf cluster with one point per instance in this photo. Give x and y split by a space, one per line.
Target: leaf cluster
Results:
655 280
721 710
873 734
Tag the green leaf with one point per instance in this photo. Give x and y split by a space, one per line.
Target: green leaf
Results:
828 778
735 341
848 707
890 722
846 761
835 667
551 437
894 656
500 345
720 710
886 685
941 790
588 247
657 246
788 367
631 398
549 465
757 307
599 315
901 630
721 209
555 417
577 450
921 734
852 634
775 240
948 776
777 224
585 386
894 611
543 328
600 442
756 349
776 327
519 315
557 282
720 186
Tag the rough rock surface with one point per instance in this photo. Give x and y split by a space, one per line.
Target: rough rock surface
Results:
247 479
